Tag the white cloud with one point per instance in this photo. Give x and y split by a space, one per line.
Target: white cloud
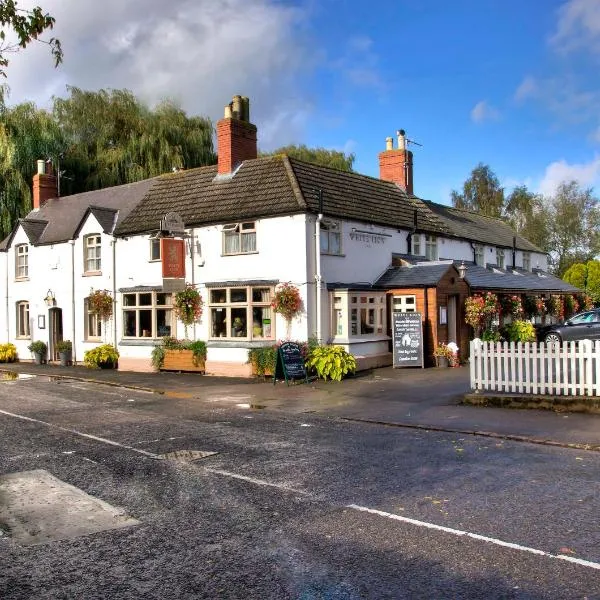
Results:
587 174
578 26
200 52
595 135
483 111
527 88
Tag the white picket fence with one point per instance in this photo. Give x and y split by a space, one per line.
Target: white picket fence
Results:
567 369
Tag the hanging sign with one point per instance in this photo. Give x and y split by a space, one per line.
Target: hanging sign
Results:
173 223
407 335
172 253
289 363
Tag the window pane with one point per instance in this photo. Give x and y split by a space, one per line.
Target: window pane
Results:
218 296
145 323
163 299
155 250
145 300
129 299
129 323
261 322
334 243
238 295
218 318
238 322
163 322
249 242
232 242
261 295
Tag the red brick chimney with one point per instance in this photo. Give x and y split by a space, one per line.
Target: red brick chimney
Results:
397 165
236 136
44 184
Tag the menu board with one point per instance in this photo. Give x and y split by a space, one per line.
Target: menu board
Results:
407 336
290 362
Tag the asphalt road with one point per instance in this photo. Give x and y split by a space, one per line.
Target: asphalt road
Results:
293 505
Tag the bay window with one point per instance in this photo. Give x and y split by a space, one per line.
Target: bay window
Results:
356 314
241 312
147 314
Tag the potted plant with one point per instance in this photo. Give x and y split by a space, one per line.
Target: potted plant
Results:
105 356
39 350
287 302
443 355
188 306
263 360
65 352
180 355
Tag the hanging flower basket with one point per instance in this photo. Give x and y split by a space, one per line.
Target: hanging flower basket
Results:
101 303
287 301
188 305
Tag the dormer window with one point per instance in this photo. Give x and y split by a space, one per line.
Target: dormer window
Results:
92 249
331 242
22 261
239 238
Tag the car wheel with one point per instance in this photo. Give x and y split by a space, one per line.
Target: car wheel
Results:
553 338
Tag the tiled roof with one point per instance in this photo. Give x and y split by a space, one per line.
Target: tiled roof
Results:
479 228
259 188
479 278
33 229
420 275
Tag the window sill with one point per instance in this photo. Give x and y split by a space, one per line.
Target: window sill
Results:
92 273
154 260
238 343
362 339
18 279
23 337
240 253
332 254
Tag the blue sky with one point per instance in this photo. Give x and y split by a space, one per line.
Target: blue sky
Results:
511 84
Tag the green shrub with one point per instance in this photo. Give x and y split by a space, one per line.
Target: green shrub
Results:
263 359
38 347
331 362
520 331
64 346
198 348
8 353
105 355
491 335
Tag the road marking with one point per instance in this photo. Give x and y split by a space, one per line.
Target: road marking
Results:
483 538
280 486
80 433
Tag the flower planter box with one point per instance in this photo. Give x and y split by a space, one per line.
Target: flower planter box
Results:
182 360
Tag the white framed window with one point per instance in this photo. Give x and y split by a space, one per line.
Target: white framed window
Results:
500 258
416 244
357 314
479 255
22 261
92 253
155 249
431 249
92 323
239 238
23 329
147 314
527 261
405 303
331 238
241 312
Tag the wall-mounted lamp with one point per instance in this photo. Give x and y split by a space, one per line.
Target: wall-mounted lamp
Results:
462 269
50 299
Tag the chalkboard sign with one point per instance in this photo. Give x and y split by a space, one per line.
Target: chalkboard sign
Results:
290 363
407 335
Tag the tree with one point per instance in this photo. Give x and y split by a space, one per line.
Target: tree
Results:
574 230
320 156
112 138
527 213
28 25
586 277
481 193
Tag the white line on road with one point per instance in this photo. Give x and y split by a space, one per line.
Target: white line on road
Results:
80 433
483 538
280 486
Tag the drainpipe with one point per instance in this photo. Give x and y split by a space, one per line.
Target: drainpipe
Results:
73 338
318 277
114 290
474 256
192 241
7 303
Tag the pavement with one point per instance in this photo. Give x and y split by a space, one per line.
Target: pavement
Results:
427 399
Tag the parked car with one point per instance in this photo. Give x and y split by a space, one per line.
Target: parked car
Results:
582 326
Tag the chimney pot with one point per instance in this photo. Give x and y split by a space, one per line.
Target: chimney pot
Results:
389 143
41 167
227 112
237 110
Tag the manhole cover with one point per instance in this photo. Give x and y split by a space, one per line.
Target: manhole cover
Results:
187 455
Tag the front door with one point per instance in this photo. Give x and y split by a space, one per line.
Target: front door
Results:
56 332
